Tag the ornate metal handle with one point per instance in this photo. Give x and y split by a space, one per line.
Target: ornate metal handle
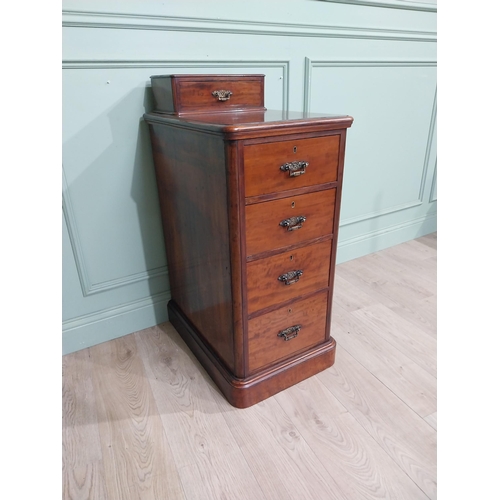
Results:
291 277
293 223
290 332
222 95
295 168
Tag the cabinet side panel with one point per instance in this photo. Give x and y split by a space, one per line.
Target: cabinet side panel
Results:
191 176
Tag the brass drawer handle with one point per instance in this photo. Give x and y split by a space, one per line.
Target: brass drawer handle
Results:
293 223
295 168
290 332
222 95
291 277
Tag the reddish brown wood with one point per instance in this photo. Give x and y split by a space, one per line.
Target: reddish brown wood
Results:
264 288
286 194
225 251
237 247
245 392
264 344
191 179
245 125
263 161
180 94
263 220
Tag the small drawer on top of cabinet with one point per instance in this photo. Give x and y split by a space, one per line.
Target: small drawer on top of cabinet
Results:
286 331
282 277
288 221
284 165
207 93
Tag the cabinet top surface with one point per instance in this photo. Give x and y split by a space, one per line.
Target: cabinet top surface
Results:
252 122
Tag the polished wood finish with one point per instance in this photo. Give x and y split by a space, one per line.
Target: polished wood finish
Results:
263 287
263 162
234 231
181 94
191 178
263 220
264 344
244 392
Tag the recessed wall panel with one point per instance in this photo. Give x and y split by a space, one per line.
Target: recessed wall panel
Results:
392 106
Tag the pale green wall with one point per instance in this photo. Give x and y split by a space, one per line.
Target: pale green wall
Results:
374 60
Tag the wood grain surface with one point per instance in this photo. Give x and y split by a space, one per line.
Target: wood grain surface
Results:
264 344
262 164
142 420
264 288
262 220
136 454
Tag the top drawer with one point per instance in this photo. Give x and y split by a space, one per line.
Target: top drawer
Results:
280 166
178 94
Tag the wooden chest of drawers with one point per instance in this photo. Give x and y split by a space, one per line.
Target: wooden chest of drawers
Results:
250 205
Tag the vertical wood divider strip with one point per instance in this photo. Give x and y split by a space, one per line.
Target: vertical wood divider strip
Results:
237 257
336 220
239 166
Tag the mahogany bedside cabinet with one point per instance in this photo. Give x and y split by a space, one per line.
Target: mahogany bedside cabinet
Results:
250 203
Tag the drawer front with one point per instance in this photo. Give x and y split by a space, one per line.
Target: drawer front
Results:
263 229
302 271
270 167
265 343
197 95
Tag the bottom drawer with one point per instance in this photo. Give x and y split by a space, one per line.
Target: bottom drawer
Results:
265 345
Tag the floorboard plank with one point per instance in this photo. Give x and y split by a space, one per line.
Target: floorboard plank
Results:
405 436
432 420
360 466
429 240
423 314
84 482
136 454
349 296
283 463
410 382
405 336
80 431
210 462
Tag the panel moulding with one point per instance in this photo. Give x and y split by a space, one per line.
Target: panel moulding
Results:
433 195
113 312
391 4
310 64
116 20
387 230
88 287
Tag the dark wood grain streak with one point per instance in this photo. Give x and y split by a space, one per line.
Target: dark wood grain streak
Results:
237 246
243 250
191 178
286 303
292 192
288 248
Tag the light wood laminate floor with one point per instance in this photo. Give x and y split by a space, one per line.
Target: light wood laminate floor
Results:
142 419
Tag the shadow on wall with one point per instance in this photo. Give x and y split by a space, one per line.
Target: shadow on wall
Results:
111 203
